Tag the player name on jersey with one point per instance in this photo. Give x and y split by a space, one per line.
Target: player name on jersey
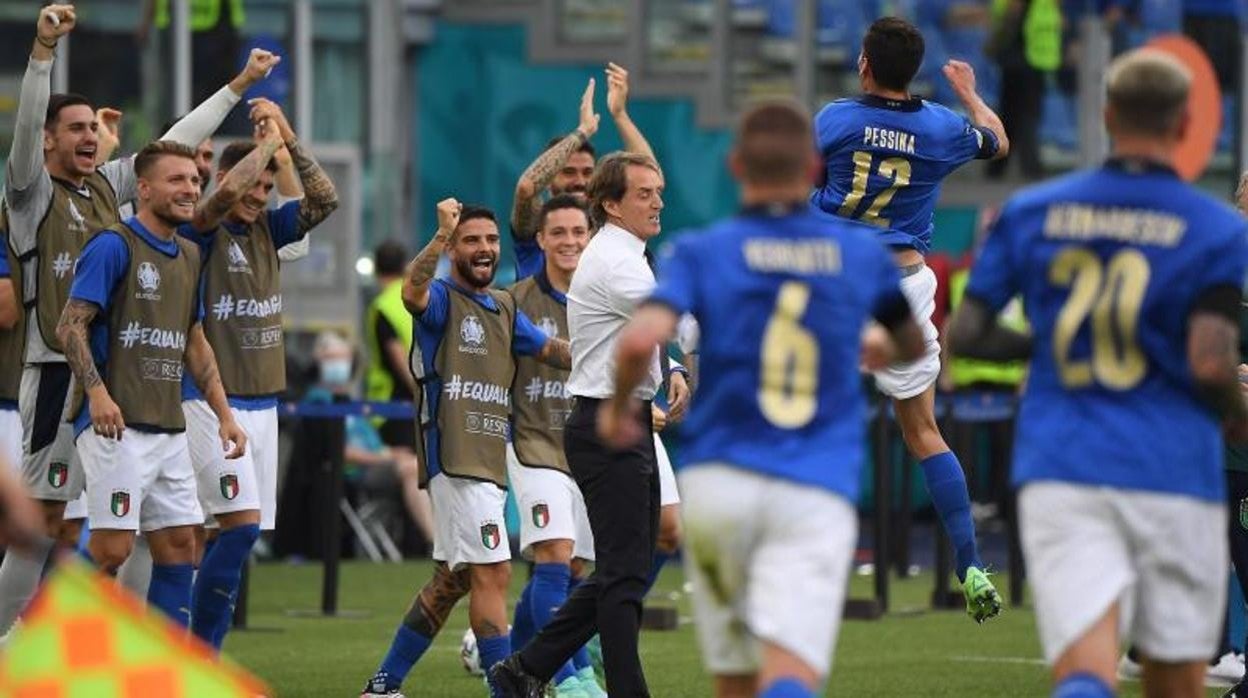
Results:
793 256
900 141
1069 221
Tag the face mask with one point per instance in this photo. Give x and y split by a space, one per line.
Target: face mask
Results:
335 371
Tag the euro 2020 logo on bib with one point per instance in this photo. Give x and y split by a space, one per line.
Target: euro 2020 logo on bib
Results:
471 331
149 280
549 326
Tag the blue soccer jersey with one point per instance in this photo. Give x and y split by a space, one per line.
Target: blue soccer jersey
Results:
781 301
885 160
1109 263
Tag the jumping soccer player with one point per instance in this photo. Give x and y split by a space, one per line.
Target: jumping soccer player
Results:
1132 283
886 153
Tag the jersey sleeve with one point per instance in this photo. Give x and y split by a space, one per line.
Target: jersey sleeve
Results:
529 339
434 316
102 264
993 277
284 224
5 272
971 142
678 276
202 240
529 257
120 174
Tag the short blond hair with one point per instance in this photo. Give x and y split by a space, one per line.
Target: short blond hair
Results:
1147 91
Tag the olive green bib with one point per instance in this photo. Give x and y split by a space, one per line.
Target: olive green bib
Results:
12 340
474 363
542 401
243 311
72 218
151 312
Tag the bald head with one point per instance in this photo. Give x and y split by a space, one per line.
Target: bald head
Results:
1147 95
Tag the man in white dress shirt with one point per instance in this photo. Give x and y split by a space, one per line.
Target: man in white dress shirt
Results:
621 487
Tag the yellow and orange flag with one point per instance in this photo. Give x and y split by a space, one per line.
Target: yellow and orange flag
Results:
84 637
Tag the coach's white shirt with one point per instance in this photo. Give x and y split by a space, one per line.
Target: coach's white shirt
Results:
611 278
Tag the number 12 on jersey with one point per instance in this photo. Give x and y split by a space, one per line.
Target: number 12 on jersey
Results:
897 170
789 361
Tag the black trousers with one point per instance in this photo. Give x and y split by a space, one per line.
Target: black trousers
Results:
1022 104
1237 508
621 491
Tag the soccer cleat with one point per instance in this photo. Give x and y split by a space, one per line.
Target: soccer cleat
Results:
1226 671
378 687
570 688
1129 669
982 600
589 683
510 680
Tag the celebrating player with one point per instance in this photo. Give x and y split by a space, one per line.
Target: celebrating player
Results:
1132 280
781 296
467 336
886 153
131 323
554 525
243 323
57 197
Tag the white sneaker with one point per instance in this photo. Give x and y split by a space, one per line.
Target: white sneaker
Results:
1227 671
1129 670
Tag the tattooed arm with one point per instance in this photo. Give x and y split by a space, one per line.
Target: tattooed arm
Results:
201 361
617 101
557 352
238 181
420 270
527 202
320 198
71 330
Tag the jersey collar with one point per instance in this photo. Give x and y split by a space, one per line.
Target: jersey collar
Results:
485 300
169 247
908 105
543 282
776 209
1138 166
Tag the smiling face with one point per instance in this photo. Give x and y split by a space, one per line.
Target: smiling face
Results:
563 238
574 177
474 252
253 201
69 143
638 210
170 189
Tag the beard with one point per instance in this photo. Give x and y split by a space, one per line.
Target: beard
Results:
479 278
166 214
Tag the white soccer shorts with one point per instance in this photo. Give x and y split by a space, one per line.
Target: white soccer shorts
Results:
769 561
468 521
669 493
76 509
1161 557
551 507
49 469
11 439
906 380
242 484
142 482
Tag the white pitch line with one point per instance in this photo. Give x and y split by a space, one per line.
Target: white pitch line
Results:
998 660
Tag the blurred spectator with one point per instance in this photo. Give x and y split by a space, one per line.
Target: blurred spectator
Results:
1026 42
388 336
1214 24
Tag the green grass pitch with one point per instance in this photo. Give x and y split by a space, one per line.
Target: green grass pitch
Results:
913 651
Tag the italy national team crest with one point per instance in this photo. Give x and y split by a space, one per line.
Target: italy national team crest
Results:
58 474
120 503
541 515
490 536
229 485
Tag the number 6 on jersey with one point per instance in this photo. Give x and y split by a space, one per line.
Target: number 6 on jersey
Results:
789 361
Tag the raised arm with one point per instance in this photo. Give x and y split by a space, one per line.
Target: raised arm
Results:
109 134
26 153
286 179
527 202
617 104
961 77
206 117
420 270
202 363
241 178
320 198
